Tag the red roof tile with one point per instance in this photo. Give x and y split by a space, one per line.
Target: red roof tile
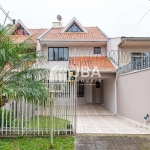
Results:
35 34
93 34
20 38
101 62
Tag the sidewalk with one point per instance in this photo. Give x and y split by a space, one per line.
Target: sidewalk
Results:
122 142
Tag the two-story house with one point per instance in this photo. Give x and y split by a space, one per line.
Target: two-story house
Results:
84 50
94 58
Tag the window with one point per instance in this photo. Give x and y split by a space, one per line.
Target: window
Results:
140 60
80 89
97 50
20 31
58 54
74 28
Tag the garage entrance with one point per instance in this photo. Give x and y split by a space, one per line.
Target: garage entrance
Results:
101 91
96 110
95 118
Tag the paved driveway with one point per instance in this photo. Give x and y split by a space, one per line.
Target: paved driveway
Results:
97 119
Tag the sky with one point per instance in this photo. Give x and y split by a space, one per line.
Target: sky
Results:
115 17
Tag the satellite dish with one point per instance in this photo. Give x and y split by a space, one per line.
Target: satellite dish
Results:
59 18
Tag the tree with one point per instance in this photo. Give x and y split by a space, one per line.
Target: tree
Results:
17 78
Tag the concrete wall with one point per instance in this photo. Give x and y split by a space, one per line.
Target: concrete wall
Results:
133 95
109 95
112 48
73 51
97 93
105 94
88 92
87 50
78 50
91 94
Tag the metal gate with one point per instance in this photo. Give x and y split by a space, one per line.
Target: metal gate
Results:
19 117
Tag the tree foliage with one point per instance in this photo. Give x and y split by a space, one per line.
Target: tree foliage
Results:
18 77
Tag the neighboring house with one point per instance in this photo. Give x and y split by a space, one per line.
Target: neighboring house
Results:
134 50
20 33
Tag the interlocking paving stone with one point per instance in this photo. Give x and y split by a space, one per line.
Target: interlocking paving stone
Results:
97 119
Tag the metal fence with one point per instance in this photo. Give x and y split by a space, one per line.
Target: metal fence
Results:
138 64
20 117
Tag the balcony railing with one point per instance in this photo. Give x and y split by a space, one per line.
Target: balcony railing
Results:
138 64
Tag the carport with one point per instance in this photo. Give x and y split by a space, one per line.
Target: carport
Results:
96 118
98 90
96 109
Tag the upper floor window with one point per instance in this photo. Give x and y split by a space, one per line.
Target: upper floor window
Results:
58 54
20 31
74 28
97 50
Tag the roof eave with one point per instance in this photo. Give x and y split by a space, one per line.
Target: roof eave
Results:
42 35
125 39
19 21
103 32
136 38
100 70
54 40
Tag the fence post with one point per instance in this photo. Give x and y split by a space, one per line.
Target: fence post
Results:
2 120
51 120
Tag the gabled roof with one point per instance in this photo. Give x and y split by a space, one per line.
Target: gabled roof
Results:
74 20
19 22
101 62
35 33
94 34
60 34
